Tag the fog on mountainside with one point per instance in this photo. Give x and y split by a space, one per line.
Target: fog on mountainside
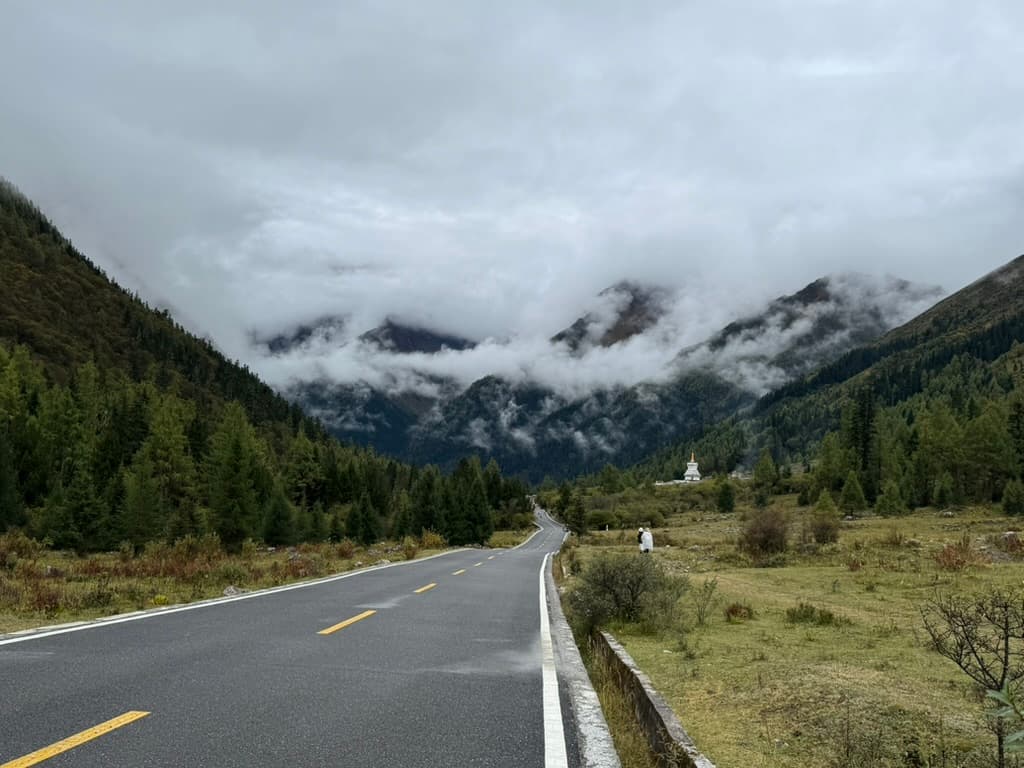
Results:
621 381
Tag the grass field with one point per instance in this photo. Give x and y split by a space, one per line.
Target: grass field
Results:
40 586
863 690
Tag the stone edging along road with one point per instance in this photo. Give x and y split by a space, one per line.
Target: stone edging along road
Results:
668 740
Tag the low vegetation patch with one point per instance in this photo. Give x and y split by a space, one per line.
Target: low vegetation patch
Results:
39 585
822 660
809 614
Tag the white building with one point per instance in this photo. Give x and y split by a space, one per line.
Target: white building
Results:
692 473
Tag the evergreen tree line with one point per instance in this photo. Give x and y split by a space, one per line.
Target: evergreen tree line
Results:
105 459
64 308
960 441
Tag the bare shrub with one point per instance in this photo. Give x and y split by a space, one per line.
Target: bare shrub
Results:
893 538
824 526
10 593
432 540
959 555
738 612
44 598
231 573
345 549
704 599
15 545
409 548
984 636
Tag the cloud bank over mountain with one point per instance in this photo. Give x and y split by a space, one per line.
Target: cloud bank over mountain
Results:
484 171
819 320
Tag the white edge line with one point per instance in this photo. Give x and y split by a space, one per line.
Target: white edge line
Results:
554 732
38 634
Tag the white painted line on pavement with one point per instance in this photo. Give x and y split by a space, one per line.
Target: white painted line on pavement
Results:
554 733
26 635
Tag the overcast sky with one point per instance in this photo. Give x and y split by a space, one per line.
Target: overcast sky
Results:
485 168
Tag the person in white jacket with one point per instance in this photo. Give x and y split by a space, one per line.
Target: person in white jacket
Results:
647 541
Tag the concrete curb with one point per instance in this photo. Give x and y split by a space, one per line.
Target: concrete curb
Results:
669 741
596 749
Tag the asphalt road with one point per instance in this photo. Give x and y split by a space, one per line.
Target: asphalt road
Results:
448 676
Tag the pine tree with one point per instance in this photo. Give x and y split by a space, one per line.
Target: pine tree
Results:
401 526
824 520
852 500
765 476
278 526
493 484
943 493
833 464
576 516
166 449
318 524
232 468
1013 498
10 501
141 513
426 502
1016 427
890 501
336 531
363 522
989 454
564 499
940 452
302 471
725 498
610 479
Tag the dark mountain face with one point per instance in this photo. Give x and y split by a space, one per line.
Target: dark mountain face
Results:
533 430
404 339
325 329
628 310
795 334
976 332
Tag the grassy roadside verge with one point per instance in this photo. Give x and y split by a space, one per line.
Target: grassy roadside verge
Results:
769 685
39 586
629 740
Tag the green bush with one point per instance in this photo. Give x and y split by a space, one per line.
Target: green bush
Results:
824 520
632 588
1013 498
804 613
599 518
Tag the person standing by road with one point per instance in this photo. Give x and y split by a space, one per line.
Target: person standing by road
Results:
647 541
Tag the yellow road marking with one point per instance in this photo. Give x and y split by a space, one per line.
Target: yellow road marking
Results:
74 741
477 565
458 572
429 586
336 627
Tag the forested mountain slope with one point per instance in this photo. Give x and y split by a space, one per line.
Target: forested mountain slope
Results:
968 337
118 426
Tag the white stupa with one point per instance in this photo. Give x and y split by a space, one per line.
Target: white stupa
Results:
692 473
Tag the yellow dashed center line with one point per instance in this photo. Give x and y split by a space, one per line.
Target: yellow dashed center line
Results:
427 588
74 741
459 572
336 627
